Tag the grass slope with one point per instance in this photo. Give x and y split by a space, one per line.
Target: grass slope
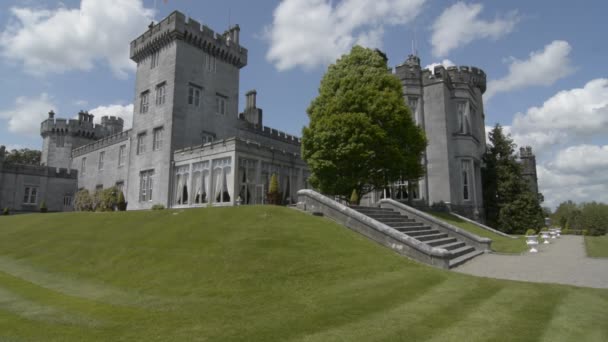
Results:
256 274
500 243
597 246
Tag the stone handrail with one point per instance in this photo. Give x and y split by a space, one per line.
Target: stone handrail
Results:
420 216
483 226
311 201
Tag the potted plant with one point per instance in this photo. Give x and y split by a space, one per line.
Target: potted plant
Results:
532 240
354 198
544 233
274 196
6 211
43 208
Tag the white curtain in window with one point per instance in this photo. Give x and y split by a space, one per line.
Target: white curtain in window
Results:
196 188
205 186
467 112
179 190
217 184
229 181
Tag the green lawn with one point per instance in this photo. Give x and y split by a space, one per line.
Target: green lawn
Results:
597 246
500 243
256 274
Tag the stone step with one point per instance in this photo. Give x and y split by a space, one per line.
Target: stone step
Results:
464 258
416 233
405 228
441 242
371 209
430 237
453 245
384 216
393 221
461 251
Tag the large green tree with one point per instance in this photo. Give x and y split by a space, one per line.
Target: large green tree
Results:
23 156
509 205
361 134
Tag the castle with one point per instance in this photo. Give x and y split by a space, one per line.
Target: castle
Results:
190 147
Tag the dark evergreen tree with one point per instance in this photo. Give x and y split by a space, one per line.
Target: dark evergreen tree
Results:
509 205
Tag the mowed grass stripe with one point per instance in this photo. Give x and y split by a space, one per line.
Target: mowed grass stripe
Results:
528 311
436 305
580 313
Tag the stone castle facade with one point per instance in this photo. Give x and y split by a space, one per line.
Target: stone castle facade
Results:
190 147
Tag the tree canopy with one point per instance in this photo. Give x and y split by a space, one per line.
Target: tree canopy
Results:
361 134
508 202
23 156
589 216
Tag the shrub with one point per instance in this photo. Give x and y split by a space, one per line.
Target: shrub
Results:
566 231
585 232
158 207
274 196
354 198
545 229
106 199
121 204
43 208
83 201
6 211
531 232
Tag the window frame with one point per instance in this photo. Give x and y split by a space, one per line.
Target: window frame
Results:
141 143
220 104
194 95
30 195
161 93
144 101
83 166
122 149
157 138
146 184
100 164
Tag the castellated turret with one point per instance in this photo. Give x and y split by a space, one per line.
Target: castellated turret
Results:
60 136
528 163
112 124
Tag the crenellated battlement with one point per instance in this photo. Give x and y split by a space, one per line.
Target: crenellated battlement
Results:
472 76
81 127
101 143
177 26
526 152
38 170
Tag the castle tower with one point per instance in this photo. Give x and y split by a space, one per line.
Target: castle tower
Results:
528 163
61 136
112 124
447 104
186 91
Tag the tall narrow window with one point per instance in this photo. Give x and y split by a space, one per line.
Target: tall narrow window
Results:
143 101
157 141
141 143
154 59
30 195
194 95
102 155
413 104
122 155
463 118
466 180
161 91
146 179
220 104
211 63
83 166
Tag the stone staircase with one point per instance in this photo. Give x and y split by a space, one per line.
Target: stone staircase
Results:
460 252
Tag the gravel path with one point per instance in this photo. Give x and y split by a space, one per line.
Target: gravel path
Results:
564 261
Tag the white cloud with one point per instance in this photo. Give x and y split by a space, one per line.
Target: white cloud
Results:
459 25
582 159
541 68
27 114
64 39
566 117
310 33
124 112
446 63
577 173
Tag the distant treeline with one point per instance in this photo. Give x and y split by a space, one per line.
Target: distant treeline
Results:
591 217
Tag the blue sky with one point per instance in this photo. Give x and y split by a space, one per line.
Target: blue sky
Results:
546 64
